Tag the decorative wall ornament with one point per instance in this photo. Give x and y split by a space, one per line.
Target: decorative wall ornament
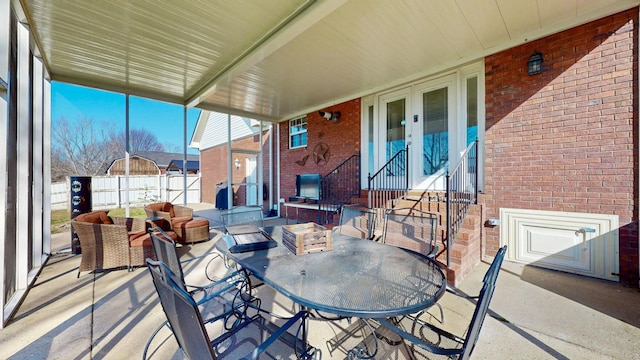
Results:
321 153
302 161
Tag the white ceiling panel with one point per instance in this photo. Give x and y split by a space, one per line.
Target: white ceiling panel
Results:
274 59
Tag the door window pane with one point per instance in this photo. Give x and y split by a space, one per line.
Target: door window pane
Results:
395 128
472 109
435 142
371 148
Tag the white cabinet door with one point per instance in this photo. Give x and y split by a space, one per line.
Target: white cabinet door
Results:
585 244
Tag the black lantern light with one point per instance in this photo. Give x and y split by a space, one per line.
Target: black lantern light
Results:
534 64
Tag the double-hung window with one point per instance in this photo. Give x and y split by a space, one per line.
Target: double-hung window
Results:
298 132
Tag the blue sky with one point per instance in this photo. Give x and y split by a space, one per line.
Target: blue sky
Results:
163 119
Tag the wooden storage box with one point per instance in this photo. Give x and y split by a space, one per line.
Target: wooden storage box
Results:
306 238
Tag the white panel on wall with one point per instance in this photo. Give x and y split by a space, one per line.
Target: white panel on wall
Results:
580 243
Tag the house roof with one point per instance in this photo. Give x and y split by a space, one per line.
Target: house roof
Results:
212 129
278 59
177 165
163 159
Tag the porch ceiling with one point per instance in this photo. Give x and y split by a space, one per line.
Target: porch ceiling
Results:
276 59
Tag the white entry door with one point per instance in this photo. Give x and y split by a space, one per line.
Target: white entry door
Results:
395 131
251 177
433 132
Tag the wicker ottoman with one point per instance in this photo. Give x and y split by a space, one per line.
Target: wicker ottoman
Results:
194 230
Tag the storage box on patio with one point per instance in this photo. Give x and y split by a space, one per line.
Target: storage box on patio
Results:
306 238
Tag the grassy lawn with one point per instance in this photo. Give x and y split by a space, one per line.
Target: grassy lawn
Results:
60 219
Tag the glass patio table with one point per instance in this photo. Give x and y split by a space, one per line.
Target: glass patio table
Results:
357 278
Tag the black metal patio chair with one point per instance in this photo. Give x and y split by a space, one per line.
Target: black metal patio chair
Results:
188 327
243 215
358 221
227 297
438 341
411 229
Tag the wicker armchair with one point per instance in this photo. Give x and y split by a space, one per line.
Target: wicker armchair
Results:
172 214
177 218
112 242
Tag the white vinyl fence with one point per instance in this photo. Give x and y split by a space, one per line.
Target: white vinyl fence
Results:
109 192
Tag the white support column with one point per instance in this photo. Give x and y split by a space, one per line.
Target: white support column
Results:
37 168
5 11
46 165
24 150
229 166
184 155
126 157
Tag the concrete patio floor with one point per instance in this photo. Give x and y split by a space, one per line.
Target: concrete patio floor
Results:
535 314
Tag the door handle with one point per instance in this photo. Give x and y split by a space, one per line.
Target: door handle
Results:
585 230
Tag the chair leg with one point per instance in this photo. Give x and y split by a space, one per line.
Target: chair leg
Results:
146 348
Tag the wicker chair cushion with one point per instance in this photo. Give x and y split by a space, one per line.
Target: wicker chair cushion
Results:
136 234
145 239
195 223
177 222
95 217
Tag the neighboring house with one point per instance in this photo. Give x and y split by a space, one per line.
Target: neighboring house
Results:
137 166
154 163
177 166
210 137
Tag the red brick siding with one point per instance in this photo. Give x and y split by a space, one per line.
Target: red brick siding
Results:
566 140
342 138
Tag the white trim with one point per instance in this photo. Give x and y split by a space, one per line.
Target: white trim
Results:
23 186
46 165
467 72
37 148
461 74
365 103
5 17
3 192
303 120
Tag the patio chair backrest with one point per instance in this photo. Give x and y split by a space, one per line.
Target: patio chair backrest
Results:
243 215
182 313
411 229
165 249
482 306
357 220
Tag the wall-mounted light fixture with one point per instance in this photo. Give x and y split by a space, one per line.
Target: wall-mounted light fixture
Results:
534 65
334 117
237 162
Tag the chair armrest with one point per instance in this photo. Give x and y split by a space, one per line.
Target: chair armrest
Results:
181 211
130 224
110 236
157 213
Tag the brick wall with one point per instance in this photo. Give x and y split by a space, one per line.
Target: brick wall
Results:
566 139
343 140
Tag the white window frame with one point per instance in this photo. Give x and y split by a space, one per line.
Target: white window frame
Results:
297 122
